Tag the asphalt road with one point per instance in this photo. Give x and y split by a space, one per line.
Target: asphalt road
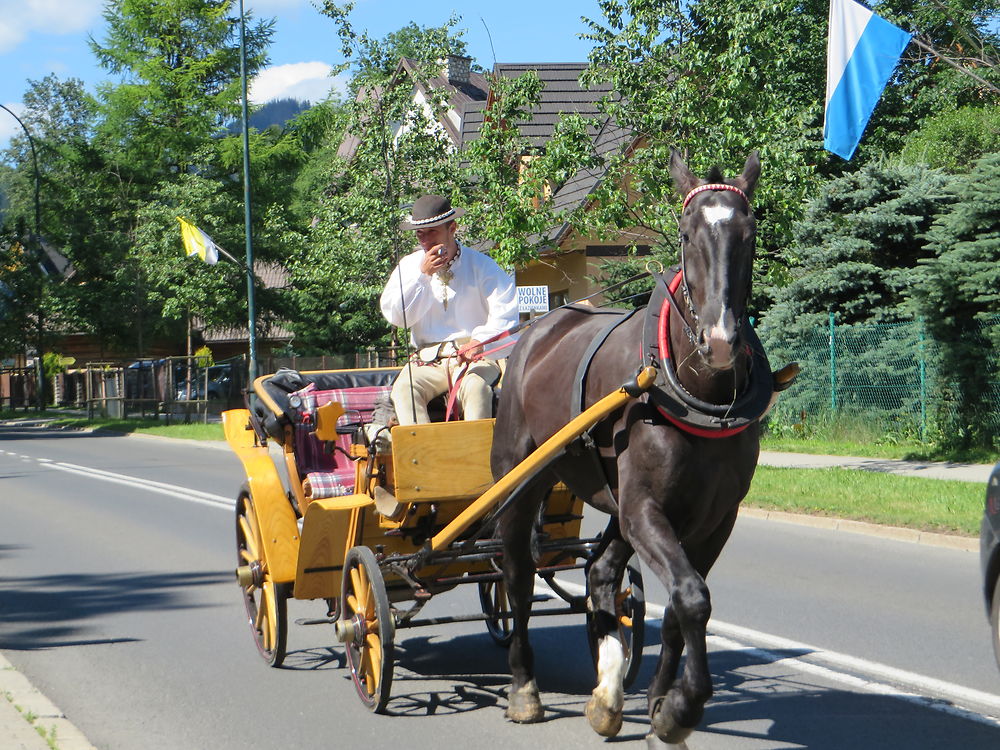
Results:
117 601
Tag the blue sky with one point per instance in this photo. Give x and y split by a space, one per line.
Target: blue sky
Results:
38 37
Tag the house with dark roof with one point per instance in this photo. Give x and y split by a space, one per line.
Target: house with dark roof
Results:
567 258
465 89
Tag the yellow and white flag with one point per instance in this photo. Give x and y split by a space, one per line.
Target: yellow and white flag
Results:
196 242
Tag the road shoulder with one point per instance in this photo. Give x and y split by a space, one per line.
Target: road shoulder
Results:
25 713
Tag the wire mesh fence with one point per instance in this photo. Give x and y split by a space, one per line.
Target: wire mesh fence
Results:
890 375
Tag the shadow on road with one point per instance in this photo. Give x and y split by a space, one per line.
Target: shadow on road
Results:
52 433
759 703
53 611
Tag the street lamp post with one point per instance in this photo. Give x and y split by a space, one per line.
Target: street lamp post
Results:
37 242
251 313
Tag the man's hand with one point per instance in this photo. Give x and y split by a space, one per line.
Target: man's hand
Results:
470 351
435 259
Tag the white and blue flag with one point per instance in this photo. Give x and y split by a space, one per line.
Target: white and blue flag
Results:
862 52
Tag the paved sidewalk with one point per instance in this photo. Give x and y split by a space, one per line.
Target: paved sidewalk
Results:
925 469
25 712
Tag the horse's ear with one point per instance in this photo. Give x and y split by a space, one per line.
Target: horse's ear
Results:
684 180
751 172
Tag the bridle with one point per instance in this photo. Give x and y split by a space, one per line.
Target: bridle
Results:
683 239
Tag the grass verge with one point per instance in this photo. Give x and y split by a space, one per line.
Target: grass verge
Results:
917 503
193 431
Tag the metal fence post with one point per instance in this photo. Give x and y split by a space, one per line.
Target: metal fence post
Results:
923 381
833 367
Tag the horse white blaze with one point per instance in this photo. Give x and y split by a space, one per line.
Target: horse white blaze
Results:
715 214
719 343
611 672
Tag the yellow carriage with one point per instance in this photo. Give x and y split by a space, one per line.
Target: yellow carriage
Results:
374 521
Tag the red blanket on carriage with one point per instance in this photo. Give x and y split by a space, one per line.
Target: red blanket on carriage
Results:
330 474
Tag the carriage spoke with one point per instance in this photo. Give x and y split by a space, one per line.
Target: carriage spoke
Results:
271 617
373 646
357 591
352 602
364 591
249 538
501 606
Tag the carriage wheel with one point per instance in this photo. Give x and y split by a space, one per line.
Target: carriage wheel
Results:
265 600
496 607
368 628
631 608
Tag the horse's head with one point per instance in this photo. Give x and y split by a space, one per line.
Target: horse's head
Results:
717 234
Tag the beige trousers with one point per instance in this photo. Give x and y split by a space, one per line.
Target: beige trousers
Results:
475 392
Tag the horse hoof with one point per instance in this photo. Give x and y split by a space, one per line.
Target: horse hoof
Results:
603 720
524 707
655 743
664 720
665 726
670 731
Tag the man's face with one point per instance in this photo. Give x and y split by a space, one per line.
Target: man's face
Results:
443 235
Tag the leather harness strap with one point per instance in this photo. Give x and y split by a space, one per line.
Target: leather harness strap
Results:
578 401
589 466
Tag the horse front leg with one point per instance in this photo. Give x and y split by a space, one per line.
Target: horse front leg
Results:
604 709
675 706
524 705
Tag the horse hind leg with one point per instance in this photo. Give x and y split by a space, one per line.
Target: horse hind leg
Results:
604 709
524 705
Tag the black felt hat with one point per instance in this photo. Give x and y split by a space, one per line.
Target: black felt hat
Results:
429 211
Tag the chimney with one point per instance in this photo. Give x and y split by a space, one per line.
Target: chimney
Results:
456 69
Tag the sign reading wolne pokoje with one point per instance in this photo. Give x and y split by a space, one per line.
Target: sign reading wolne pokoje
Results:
532 299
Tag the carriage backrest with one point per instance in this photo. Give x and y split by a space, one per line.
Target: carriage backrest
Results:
290 398
271 393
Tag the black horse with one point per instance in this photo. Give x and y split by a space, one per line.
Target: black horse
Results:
670 468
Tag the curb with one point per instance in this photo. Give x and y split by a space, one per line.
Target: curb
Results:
897 533
25 713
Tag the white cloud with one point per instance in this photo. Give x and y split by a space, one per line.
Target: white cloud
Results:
22 17
306 81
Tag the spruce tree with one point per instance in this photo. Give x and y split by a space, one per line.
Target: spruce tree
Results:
958 292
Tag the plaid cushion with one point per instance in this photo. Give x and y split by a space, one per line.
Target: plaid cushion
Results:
320 484
358 403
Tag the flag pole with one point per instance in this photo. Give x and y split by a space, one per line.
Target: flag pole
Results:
251 315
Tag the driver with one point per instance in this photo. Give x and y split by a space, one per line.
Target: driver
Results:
452 298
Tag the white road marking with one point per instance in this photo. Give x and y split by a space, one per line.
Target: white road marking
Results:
882 679
171 490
